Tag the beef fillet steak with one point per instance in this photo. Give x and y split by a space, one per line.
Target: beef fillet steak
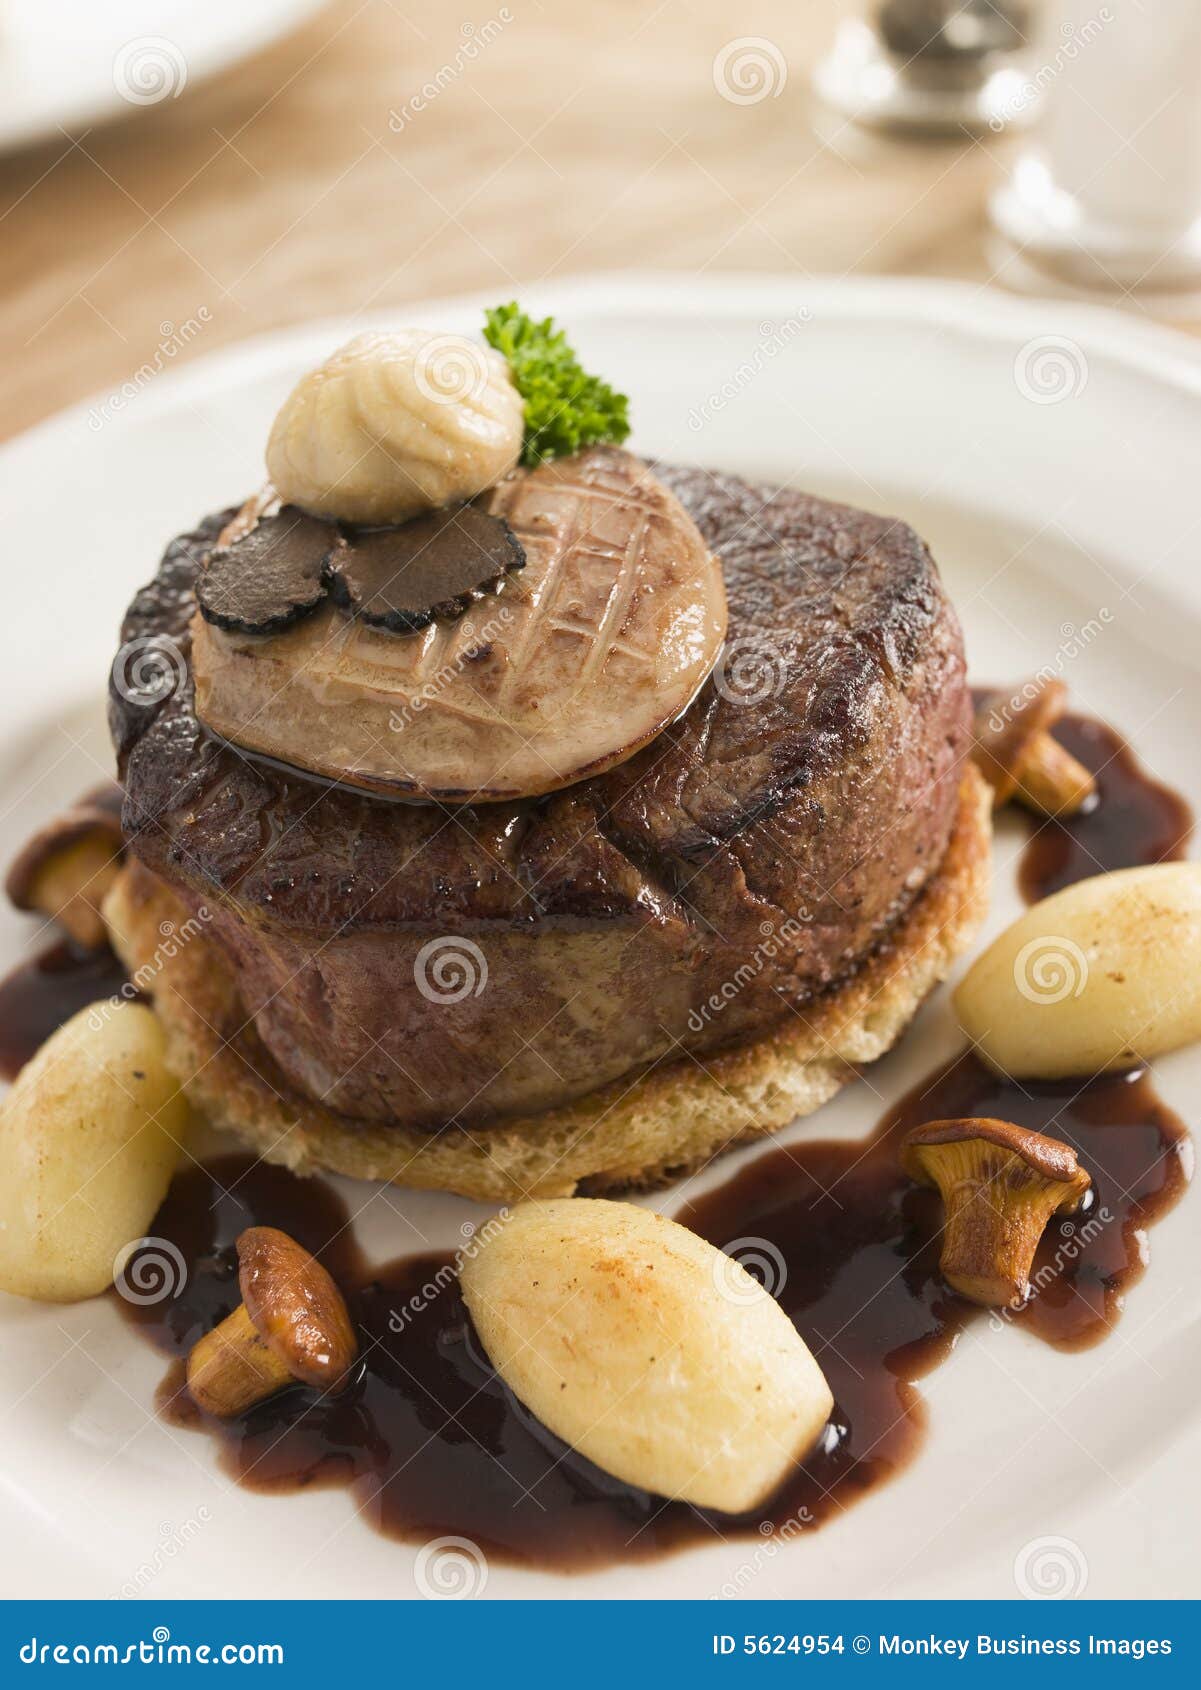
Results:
427 965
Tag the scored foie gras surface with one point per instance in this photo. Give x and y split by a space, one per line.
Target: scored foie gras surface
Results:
573 664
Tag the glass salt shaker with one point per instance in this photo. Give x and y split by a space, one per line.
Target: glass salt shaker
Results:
1110 196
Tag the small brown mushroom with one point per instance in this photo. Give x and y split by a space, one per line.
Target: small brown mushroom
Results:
67 868
1000 1185
1020 758
291 1327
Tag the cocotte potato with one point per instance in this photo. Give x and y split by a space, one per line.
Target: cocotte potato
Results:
89 1137
1102 975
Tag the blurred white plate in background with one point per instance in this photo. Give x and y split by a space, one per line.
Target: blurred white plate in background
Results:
68 63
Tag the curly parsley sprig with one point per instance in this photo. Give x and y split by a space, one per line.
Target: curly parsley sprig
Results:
565 407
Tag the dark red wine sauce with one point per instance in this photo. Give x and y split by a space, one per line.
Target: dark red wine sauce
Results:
42 993
1134 818
430 1443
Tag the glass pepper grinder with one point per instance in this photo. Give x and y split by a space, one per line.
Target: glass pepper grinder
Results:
938 66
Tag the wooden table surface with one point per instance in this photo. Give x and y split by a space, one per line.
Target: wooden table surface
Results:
557 136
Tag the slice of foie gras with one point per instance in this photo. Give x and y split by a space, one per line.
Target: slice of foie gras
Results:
573 664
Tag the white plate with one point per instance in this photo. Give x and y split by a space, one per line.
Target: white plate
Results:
922 399
68 63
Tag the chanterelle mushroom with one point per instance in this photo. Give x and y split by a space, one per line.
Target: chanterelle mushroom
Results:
66 869
1020 758
1000 1185
292 1326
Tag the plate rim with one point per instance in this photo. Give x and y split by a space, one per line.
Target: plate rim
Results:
983 311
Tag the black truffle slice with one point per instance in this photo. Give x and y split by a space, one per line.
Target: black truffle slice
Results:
422 571
269 578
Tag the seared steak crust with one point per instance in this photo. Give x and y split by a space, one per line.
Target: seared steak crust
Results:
747 859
